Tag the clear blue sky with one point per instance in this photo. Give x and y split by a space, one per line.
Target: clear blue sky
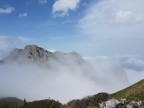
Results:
90 27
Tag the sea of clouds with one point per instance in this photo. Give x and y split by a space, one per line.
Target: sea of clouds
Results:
67 82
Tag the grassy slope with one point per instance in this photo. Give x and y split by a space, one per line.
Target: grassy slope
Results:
134 92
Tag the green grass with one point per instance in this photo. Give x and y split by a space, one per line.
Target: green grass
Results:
134 92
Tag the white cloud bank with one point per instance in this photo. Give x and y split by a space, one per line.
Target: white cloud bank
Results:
128 67
7 10
70 80
62 7
59 82
114 19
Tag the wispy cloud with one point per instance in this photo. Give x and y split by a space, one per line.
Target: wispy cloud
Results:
126 16
8 43
25 14
7 10
43 1
114 18
62 7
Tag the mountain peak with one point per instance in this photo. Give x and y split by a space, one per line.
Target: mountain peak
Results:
34 53
33 47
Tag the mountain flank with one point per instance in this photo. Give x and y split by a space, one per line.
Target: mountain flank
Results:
36 54
134 92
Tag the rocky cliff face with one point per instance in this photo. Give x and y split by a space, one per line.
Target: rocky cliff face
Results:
33 53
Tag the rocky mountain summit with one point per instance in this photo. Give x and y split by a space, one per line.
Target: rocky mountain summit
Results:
36 54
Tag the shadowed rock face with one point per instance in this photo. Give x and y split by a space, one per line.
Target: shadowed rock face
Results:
29 53
33 53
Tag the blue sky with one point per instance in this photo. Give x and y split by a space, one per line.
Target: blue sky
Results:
90 27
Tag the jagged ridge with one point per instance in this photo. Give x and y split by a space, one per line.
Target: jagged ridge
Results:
33 53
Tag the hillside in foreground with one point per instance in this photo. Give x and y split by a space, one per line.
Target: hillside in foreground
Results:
134 92
131 97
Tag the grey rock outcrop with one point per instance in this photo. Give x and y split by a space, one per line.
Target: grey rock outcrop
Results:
112 103
123 103
35 54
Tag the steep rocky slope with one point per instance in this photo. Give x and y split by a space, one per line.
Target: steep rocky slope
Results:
36 54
